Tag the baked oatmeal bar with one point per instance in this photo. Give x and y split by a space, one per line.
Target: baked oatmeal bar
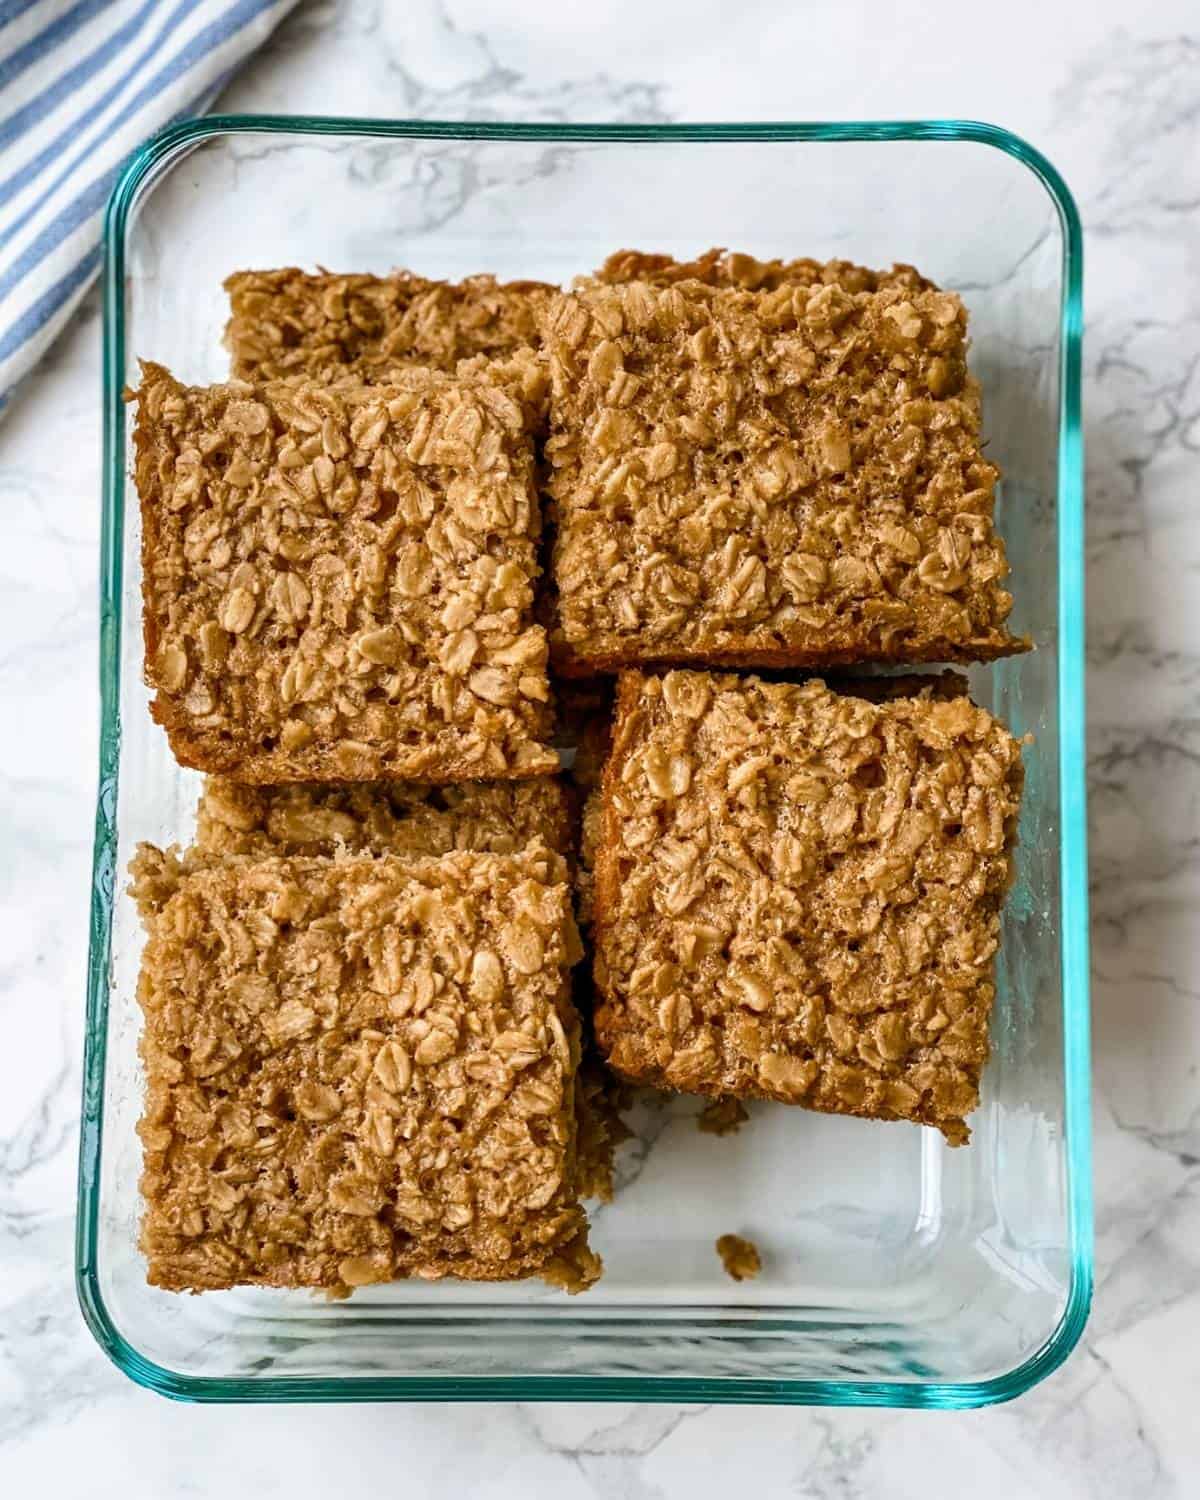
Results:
781 478
290 322
337 582
360 1070
730 268
798 894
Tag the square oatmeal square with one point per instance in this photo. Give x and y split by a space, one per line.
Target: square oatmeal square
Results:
791 477
337 581
360 1070
798 893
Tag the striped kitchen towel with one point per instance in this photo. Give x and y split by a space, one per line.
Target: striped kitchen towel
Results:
82 83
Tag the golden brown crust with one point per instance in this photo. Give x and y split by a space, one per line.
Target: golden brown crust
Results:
797 893
360 1070
337 582
728 268
290 322
792 478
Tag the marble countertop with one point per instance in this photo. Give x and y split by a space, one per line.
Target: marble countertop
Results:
1113 96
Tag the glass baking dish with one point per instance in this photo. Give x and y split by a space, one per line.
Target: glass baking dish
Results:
897 1271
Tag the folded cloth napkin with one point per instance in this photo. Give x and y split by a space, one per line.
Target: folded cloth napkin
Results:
82 83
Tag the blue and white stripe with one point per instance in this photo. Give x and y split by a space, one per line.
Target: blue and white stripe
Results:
82 84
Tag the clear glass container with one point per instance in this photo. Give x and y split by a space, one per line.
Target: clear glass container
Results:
898 1272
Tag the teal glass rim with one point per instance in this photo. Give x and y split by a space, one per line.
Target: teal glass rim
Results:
142 166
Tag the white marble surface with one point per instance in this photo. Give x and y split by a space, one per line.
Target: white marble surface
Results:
1112 93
